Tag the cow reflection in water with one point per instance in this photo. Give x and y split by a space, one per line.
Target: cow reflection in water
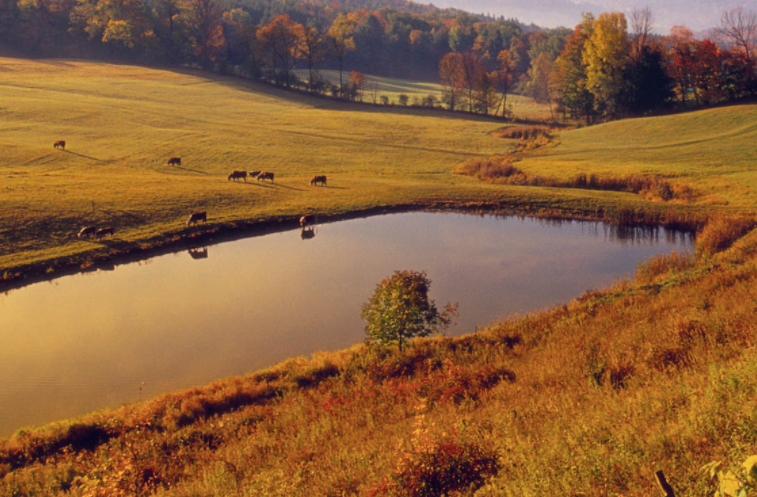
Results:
198 253
307 233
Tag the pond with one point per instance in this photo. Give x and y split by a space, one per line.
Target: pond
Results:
96 340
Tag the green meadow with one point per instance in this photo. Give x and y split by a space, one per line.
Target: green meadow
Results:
591 398
523 108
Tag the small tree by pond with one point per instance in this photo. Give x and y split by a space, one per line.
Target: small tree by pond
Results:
400 310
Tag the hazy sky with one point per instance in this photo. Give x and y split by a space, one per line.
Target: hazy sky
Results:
696 14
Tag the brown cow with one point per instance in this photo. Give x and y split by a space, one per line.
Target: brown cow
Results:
254 174
60 144
102 233
196 217
307 220
318 179
265 175
235 175
174 161
87 232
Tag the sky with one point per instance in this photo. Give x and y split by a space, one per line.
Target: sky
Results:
697 15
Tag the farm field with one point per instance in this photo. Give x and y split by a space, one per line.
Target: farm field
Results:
122 123
589 398
524 108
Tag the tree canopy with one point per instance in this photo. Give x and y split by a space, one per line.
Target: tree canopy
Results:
400 309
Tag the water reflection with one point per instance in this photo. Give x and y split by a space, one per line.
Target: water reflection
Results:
96 340
308 232
198 253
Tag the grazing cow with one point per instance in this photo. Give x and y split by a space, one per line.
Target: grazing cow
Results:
265 175
60 144
235 175
307 220
174 161
318 179
87 232
254 174
196 217
102 233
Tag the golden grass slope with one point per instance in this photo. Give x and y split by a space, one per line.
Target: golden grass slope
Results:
711 150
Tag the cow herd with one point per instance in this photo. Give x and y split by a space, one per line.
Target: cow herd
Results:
92 232
259 175
306 221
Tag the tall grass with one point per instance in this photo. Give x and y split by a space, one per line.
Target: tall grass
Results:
720 232
500 170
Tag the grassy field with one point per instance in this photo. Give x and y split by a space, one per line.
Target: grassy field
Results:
524 108
588 399
121 124
711 150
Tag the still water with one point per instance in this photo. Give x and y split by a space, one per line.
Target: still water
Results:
96 340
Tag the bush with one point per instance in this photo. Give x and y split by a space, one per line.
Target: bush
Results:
492 168
444 465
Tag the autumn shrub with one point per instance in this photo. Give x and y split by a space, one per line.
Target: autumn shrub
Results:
524 132
491 168
381 363
720 233
439 465
675 262
444 465
456 383
314 376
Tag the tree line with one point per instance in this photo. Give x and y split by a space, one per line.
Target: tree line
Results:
606 67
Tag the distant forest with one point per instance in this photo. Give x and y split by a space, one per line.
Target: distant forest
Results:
607 67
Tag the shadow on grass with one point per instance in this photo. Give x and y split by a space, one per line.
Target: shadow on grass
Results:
192 170
86 156
324 101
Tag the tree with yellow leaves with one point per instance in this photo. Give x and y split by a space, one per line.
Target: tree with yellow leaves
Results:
341 40
605 57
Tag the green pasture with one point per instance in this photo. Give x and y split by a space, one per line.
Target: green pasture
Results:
524 108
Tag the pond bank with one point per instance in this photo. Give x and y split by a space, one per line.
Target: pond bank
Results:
681 219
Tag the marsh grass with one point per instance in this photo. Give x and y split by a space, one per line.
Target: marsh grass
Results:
675 262
500 170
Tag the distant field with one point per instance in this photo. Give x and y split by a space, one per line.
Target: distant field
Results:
522 107
712 150
121 124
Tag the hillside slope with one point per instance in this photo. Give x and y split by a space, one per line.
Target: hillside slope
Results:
589 398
